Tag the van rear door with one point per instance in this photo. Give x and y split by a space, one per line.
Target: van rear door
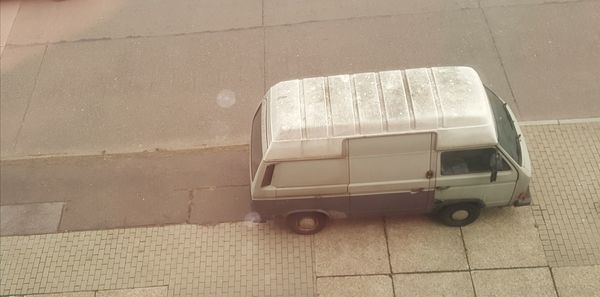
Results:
391 174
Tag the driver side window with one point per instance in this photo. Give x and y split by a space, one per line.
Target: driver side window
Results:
469 161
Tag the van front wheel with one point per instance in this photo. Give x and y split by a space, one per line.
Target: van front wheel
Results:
306 223
458 215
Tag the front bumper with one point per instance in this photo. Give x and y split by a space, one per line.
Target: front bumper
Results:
523 199
522 202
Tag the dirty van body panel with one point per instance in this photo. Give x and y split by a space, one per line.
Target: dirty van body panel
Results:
305 178
478 186
392 203
391 174
334 206
340 206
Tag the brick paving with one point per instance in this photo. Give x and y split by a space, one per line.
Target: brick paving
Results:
223 260
566 191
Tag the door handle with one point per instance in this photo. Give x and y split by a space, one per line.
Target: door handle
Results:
429 174
441 188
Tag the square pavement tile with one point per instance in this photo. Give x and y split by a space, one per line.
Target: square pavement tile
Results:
503 238
119 95
350 247
355 286
455 284
18 69
53 21
35 218
419 244
580 281
137 292
118 206
8 12
528 282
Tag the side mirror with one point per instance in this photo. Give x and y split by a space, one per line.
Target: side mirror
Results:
495 164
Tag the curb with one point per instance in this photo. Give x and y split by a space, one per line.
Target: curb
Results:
560 122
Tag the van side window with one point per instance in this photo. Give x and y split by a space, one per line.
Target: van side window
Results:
469 161
310 173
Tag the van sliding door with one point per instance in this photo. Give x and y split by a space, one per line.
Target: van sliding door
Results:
391 174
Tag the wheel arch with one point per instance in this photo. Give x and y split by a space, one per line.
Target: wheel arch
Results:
317 210
439 204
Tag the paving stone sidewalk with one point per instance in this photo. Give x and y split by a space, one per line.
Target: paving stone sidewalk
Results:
566 189
350 258
223 260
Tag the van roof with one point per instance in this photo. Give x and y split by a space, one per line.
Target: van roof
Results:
310 117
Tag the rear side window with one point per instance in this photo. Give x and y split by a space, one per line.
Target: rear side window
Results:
311 173
468 161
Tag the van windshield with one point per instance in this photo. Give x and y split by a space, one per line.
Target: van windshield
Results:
505 128
256 143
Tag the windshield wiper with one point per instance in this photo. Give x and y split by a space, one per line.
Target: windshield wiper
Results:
512 121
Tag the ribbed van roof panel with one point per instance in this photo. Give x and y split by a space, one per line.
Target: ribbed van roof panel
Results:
388 102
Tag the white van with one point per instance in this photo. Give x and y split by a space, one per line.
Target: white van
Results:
428 140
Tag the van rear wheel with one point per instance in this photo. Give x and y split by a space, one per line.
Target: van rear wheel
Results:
458 215
306 223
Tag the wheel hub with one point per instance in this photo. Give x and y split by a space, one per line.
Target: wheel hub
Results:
307 223
460 215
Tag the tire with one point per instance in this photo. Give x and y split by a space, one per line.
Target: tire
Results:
458 215
306 223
